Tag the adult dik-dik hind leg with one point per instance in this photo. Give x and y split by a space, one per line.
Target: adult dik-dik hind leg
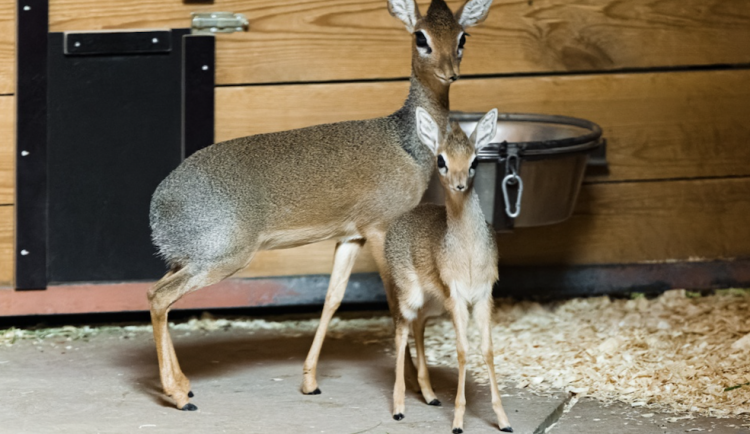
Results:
175 284
482 317
343 262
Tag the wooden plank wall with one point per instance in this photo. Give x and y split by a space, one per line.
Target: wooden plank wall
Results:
668 82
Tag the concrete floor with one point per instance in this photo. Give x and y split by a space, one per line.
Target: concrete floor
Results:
249 383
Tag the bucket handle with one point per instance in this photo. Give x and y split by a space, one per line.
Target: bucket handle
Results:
511 168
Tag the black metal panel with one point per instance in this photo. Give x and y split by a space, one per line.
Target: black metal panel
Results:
198 91
31 140
112 43
114 134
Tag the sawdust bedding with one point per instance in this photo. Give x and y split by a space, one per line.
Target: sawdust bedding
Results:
677 353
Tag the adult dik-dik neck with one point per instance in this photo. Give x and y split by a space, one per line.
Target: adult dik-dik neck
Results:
431 95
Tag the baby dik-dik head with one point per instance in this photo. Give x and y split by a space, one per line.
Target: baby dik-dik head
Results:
439 35
456 154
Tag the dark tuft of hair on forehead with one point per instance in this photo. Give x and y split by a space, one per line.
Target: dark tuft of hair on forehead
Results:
440 12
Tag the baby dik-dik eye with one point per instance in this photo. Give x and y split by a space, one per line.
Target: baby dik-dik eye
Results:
441 163
461 43
422 43
473 167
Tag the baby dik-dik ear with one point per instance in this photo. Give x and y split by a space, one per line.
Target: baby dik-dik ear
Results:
485 130
427 130
406 11
473 12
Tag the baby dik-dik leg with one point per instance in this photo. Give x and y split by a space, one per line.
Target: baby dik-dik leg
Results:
399 388
343 261
483 318
162 296
423 375
460 315
376 241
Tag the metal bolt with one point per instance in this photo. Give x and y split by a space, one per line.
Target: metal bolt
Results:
77 44
205 67
24 252
24 153
155 40
239 29
213 15
27 8
214 29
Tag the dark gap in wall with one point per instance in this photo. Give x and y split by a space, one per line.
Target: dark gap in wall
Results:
6 94
650 70
643 181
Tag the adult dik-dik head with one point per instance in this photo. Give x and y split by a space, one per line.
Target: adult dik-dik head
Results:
438 36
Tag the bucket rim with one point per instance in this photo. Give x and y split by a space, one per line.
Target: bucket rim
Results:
582 143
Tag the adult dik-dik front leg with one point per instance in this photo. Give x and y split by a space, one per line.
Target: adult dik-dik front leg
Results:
343 262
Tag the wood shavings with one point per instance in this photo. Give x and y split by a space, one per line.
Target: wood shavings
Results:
674 353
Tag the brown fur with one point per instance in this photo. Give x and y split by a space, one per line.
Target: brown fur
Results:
346 181
445 259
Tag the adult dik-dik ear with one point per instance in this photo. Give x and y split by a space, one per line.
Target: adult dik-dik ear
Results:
427 130
473 12
485 130
406 11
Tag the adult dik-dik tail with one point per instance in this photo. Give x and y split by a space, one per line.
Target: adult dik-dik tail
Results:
346 181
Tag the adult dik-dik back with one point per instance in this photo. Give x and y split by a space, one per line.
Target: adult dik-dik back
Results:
345 180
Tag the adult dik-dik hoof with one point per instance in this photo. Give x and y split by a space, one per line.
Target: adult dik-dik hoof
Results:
189 407
398 416
435 402
190 394
457 430
314 392
506 429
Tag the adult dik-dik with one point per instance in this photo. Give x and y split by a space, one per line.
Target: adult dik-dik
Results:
345 181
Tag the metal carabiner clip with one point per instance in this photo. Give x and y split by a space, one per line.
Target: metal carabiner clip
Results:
509 180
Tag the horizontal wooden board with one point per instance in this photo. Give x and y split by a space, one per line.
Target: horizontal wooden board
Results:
7 259
658 125
309 40
642 222
7 149
637 222
7 46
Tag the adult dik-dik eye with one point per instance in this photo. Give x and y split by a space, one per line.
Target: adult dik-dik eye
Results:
462 41
441 162
422 42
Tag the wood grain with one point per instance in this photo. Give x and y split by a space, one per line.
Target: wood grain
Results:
658 125
7 258
7 149
642 222
613 223
309 40
7 47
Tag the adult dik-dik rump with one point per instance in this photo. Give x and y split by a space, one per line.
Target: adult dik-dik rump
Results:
346 181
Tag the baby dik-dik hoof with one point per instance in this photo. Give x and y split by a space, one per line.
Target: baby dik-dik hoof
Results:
314 392
457 430
190 394
189 407
398 416
435 402
506 429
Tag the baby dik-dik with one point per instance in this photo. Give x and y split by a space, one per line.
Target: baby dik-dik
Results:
445 259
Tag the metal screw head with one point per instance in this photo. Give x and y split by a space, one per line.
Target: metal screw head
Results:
155 40
214 29
77 44
204 67
24 252
24 153
27 8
